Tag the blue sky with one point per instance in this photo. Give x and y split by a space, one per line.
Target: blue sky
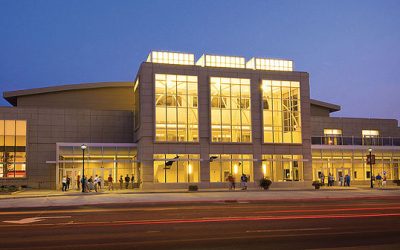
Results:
350 48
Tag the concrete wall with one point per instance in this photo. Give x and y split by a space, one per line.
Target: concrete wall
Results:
353 126
145 134
112 98
47 126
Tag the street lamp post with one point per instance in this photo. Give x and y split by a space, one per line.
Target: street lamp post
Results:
370 166
83 147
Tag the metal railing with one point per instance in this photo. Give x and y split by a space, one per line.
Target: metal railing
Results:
359 141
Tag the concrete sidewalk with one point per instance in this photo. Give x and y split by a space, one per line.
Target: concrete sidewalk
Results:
76 198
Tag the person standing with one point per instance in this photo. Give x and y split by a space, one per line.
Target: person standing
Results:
347 180
330 180
68 182
378 179
322 176
243 180
78 181
121 182
127 180
64 184
110 183
96 183
341 180
384 180
133 181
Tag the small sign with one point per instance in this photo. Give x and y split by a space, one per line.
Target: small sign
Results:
370 159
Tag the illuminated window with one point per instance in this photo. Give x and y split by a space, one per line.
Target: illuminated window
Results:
332 136
171 58
269 64
223 165
282 167
12 149
176 104
176 168
281 112
221 61
230 109
370 137
370 133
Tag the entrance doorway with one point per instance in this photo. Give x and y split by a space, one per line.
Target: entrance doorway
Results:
101 172
73 174
342 172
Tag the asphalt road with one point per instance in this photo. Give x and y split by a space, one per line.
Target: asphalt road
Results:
311 224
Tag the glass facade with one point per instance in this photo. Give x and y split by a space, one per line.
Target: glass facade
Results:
353 162
176 106
223 165
230 110
12 149
370 137
281 111
280 168
176 168
117 161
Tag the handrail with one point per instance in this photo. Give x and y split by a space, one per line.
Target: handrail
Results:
353 140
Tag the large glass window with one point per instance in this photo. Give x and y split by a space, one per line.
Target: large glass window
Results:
281 112
103 161
332 136
176 105
223 165
12 149
370 137
283 167
176 168
230 109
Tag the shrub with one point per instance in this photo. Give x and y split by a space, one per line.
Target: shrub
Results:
193 188
316 184
265 183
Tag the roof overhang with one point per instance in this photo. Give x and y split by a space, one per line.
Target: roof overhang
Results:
331 107
12 96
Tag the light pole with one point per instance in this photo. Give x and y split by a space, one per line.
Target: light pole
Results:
83 147
370 166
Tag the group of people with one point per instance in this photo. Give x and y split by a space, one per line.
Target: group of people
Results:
66 182
343 180
243 181
379 180
96 183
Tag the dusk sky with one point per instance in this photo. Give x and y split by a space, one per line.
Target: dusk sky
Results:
350 48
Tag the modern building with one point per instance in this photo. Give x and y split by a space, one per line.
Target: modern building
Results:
182 122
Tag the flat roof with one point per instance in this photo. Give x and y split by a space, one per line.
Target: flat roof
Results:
12 96
332 107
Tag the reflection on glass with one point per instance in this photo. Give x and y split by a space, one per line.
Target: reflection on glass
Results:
230 109
183 168
281 111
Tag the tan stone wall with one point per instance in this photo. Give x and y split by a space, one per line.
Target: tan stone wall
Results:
47 126
353 126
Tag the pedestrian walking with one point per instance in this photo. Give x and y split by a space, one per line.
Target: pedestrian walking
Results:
110 183
90 184
243 181
121 182
64 184
133 181
127 180
100 182
330 180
